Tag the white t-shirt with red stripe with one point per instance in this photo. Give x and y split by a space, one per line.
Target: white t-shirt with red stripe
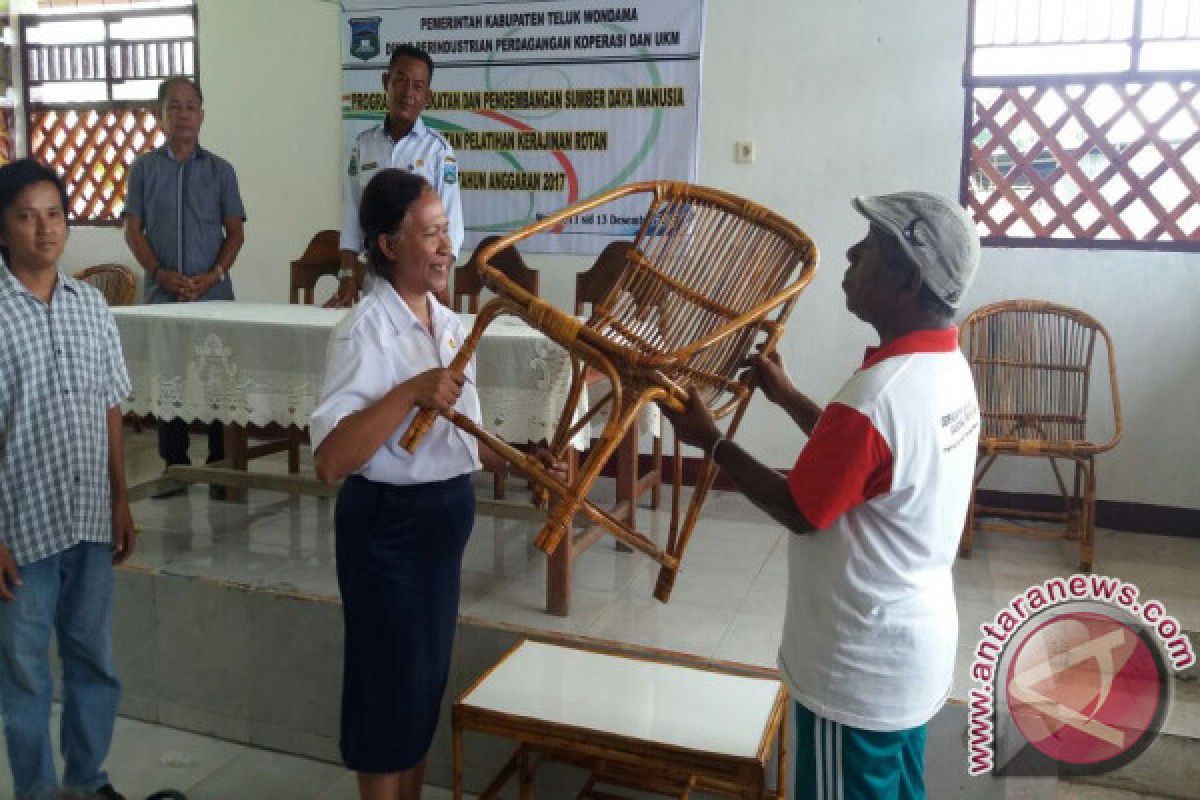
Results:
871 629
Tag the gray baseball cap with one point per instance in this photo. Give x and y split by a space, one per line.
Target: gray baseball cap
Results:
936 234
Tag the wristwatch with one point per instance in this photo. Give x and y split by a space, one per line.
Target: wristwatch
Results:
344 273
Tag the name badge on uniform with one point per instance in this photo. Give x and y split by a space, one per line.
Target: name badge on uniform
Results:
370 165
450 172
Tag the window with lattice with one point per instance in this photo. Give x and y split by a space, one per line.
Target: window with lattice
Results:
91 73
1083 123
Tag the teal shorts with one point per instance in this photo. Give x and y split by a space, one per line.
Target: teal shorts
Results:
837 762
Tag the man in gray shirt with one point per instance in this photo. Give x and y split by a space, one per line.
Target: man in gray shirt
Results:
184 225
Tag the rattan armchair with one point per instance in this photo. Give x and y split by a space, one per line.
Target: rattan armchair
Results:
1032 364
709 276
115 281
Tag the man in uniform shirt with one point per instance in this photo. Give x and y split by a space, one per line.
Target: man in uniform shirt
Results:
184 225
64 510
878 497
402 141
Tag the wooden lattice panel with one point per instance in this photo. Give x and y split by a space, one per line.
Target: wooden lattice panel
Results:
92 149
1115 163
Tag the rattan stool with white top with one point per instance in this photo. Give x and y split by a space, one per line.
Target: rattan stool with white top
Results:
633 722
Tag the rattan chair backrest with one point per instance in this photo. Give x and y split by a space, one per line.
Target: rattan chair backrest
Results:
115 281
1032 364
701 260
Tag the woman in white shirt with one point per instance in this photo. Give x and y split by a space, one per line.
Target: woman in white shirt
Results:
402 519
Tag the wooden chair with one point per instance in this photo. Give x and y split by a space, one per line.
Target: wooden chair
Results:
119 287
591 286
115 281
468 281
1032 364
322 257
468 285
708 276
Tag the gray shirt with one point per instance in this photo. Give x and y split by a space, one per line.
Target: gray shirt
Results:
183 206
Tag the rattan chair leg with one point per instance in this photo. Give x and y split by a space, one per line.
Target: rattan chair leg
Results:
708 473
964 545
667 574
656 486
563 510
1087 544
781 773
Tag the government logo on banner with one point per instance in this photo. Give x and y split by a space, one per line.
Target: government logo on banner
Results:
364 37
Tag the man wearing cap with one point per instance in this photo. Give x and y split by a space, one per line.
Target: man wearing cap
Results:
877 497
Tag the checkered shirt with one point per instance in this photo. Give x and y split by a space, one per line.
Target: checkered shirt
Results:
61 369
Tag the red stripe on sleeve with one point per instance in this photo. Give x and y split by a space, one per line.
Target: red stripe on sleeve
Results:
844 464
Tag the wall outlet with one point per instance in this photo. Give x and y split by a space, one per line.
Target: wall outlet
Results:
743 152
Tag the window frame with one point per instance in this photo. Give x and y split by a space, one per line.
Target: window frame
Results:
31 110
1135 75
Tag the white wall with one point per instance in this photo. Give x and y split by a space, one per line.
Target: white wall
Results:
865 96
270 70
857 96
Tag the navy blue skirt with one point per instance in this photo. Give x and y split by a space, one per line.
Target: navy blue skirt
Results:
399 559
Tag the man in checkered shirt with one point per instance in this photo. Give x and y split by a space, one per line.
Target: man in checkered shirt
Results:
64 511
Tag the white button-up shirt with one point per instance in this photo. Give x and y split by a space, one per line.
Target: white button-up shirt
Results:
423 151
380 344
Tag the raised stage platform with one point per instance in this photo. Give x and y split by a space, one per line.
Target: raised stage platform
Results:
228 620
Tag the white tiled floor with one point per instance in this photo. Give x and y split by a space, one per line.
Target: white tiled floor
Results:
145 758
728 602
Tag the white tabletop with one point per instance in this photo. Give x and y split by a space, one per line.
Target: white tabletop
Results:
300 316
258 363
239 312
668 704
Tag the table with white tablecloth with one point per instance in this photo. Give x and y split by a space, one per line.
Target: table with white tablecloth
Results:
257 364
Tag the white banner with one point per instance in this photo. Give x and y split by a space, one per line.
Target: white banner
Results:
546 103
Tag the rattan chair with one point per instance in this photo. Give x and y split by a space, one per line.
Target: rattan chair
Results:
1032 364
115 281
710 275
